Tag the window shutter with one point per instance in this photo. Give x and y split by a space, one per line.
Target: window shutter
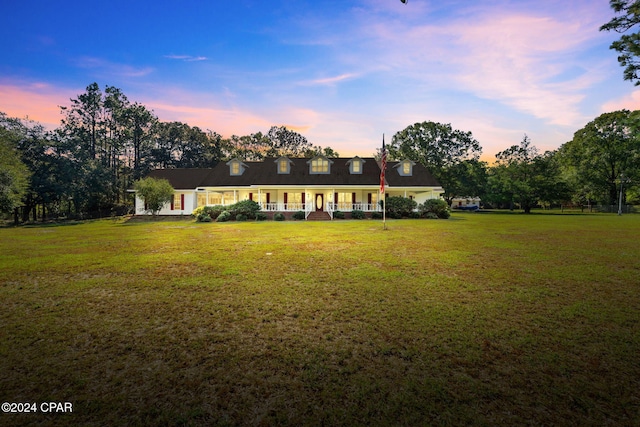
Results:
335 198
303 197
251 196
182 201
173 199
285 198
268 197
369 198
353 197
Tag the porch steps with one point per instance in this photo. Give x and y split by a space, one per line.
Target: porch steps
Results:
319 216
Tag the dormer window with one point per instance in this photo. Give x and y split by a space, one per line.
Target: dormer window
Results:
405 168
355 166
319 165
236 167
283 165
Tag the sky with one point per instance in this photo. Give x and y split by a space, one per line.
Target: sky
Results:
341 73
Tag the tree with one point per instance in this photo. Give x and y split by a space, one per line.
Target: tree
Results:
600 152
285 142
155 193
249 148
319 151
14 174
440 148
628 46
523 176
466 179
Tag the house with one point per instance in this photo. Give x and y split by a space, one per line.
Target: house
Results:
285 184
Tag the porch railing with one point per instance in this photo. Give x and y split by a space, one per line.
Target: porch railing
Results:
309 207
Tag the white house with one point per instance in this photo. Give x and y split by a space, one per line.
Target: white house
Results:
320 184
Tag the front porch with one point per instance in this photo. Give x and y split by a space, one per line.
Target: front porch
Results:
290 200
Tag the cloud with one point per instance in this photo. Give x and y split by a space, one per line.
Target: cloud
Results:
328 81
628 102
187 58
38 101
518 55
107 68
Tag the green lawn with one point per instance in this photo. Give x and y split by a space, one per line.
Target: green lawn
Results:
482 319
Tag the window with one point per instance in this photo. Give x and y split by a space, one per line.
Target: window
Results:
262 198
214 199
228 198
283 166
202 199
320 165
356 166
294 201
176 202
406 168
373 201
235 168
344 201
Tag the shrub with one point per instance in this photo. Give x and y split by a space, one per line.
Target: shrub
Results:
357 214
223 217
376 215
278 216
414 215
261 216
202 217
431 215
436 206
249 208
338 215
197 212
397 206
212 211
241 217
299 215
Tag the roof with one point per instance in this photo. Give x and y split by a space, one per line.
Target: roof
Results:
265 173
182 179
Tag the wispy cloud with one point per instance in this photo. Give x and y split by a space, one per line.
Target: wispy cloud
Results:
328 81
102 66
187 58
518 56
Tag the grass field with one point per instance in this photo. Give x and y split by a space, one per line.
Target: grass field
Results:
482 319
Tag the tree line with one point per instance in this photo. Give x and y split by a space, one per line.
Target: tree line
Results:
599 164
104 143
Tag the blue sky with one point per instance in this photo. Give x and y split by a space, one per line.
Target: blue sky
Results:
341 73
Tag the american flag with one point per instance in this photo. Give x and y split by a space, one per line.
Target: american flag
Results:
383 165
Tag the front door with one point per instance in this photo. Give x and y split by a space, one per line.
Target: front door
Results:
319 202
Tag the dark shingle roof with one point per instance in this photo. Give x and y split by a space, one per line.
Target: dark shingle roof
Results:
265 173
182 179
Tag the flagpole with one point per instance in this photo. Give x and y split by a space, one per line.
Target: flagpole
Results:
383 167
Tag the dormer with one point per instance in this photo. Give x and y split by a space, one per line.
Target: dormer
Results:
236 167
405 167
283 165
356 165
320 165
